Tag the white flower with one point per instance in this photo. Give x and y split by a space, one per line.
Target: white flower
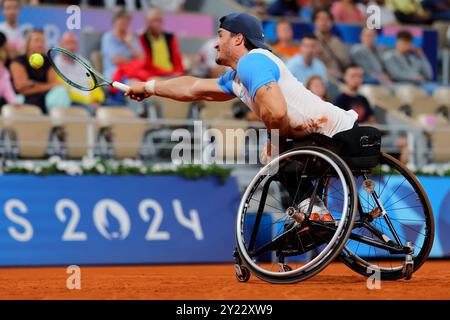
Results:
100 168
143 170
61 166
54 159
429 169
412 167
127 162
28 165
72 169
37 170
88 163
9 163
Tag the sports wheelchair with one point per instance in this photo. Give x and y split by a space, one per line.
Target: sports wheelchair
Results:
382 219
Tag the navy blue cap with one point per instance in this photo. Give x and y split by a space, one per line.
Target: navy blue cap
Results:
247 25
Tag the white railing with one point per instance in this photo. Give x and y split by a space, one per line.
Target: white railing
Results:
161 129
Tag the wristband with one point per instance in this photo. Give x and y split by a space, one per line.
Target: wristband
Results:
150 87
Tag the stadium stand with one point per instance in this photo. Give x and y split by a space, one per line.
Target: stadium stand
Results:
119 132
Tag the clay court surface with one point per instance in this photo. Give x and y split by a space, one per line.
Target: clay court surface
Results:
432 281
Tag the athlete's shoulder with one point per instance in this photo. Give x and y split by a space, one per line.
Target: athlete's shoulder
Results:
256 60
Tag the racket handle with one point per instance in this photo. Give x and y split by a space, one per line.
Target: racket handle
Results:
120 86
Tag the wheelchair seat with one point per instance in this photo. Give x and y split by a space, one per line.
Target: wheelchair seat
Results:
359 154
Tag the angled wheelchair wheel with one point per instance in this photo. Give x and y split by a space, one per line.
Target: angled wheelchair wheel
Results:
394 227
275 224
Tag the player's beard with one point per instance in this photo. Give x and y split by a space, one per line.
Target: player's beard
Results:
222 61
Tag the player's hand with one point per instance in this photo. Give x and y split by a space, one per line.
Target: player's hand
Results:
137 91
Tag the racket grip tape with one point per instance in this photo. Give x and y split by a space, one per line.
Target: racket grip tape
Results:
120 86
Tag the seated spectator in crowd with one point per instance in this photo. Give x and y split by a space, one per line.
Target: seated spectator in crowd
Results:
205 65
312 6
284 8
10 27
369 57
119 45
162 54
350 99
345 11
306 64
7 94
317 86
406 63
387 16
332 51
285 48
439 9
36 85
91 100
410 11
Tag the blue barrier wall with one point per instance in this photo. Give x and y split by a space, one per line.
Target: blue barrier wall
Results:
62 220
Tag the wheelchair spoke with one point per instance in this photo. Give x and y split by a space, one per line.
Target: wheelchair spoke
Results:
401 199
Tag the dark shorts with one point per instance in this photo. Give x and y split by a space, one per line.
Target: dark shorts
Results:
359 147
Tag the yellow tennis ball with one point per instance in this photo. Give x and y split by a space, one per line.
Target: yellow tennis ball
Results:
36 60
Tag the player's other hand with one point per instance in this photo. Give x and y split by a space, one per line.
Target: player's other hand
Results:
137 91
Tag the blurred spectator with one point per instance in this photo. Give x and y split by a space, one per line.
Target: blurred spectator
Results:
285 48
448 36
332 51
369 57
440 9
10 27
387 16
317 86
257 7
346 11
7 94
306 64
205 64
350 99
34 84
88 99
406 63
119 45
284 8
312 6
410 11
162 54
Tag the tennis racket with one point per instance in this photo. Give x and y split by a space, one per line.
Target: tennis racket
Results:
78 72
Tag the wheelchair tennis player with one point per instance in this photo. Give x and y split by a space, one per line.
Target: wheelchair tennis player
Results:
263 82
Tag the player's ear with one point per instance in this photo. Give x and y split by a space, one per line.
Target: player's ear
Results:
239 39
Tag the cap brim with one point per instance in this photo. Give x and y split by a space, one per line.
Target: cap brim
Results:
259 44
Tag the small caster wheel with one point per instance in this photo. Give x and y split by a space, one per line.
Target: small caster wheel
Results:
242 273
408 271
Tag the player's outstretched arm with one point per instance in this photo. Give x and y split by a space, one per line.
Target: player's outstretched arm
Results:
181 89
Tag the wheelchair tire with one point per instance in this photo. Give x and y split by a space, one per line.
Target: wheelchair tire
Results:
337 240
407 191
